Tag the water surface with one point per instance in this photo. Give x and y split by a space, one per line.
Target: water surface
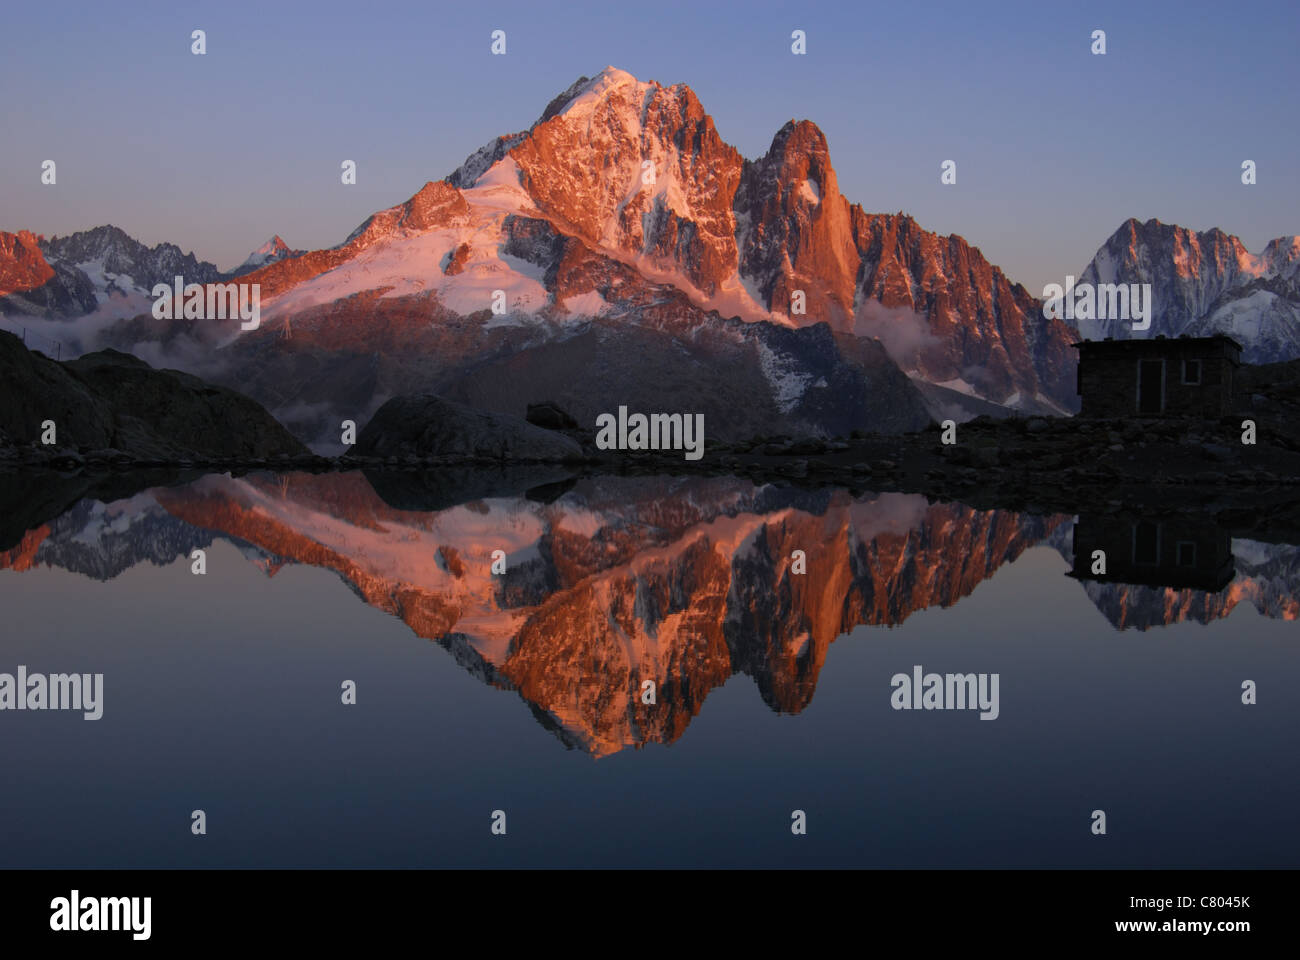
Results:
479 691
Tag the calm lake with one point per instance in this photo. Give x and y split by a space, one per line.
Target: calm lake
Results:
641 672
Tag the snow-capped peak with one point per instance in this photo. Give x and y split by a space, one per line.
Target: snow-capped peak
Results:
273 246
1203 283
273 250
599 88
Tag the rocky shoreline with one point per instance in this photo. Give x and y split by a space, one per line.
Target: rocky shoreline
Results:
1036 465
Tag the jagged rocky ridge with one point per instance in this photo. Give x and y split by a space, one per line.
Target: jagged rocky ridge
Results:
102 272
1204 283
103 269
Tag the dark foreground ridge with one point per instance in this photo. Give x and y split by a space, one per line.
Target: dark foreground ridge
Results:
110 406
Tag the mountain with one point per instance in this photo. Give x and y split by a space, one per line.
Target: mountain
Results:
273 251
104 273
620 245
109 257
742 236
1204 283
30 285
404 307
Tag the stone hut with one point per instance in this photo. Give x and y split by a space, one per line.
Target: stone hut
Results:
1163 376
1177 551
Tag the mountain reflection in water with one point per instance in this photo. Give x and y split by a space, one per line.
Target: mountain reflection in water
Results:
612 582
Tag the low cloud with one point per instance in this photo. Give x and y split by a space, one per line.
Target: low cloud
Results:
904 333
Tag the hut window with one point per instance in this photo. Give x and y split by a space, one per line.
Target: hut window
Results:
1192 372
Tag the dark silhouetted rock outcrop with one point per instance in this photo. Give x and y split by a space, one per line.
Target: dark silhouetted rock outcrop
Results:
110 401
429 426
550 416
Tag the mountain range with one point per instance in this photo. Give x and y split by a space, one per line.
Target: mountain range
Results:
1205 283
618 251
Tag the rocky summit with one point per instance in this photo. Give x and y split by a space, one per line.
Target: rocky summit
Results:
1204 283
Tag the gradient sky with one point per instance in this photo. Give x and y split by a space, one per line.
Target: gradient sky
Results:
1055 147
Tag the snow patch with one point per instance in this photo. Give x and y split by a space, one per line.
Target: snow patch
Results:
499 189
590 304
960 385
412 265
788 385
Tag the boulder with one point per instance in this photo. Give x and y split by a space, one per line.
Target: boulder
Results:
550 416
428 426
